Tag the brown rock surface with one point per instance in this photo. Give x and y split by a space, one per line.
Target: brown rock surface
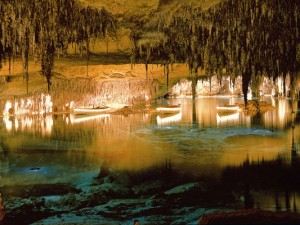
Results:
250 216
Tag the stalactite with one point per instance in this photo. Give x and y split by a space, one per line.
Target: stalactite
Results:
29 26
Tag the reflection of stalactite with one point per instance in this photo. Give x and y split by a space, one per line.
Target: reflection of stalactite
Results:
5 148
287 200
168 165
295 204
278 207
294 158
249 201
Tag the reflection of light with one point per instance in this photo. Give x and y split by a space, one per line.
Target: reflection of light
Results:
8 123
72 103
70 118
48 124
7 107
229 117
30 124
84 119
169 119
26 122
16 123
281 111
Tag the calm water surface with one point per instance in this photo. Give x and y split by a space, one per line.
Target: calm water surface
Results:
198 142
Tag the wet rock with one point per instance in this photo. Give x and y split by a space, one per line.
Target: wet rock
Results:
147 187
181 188
125 111
250 217
66 202
37 190
26 211
255 106
264 106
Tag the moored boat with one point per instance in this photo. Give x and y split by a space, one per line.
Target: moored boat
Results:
168 119
227 116
228 108
95 110
169 109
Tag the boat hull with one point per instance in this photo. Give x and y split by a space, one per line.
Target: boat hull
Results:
228 108
90 110
168 109
169 119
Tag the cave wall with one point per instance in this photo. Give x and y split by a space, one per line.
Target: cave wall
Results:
214 86
91 92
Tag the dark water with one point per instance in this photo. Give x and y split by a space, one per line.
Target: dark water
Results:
194 161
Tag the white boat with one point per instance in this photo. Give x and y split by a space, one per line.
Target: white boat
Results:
228 108
169 109
95 110
230 117
161 120
227 112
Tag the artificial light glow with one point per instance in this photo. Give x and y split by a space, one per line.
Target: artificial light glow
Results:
29 106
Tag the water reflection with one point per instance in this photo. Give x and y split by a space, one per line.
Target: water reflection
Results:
250 155
73 119
29 124
198 129
278 178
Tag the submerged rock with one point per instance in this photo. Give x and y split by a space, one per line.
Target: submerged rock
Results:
255 106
